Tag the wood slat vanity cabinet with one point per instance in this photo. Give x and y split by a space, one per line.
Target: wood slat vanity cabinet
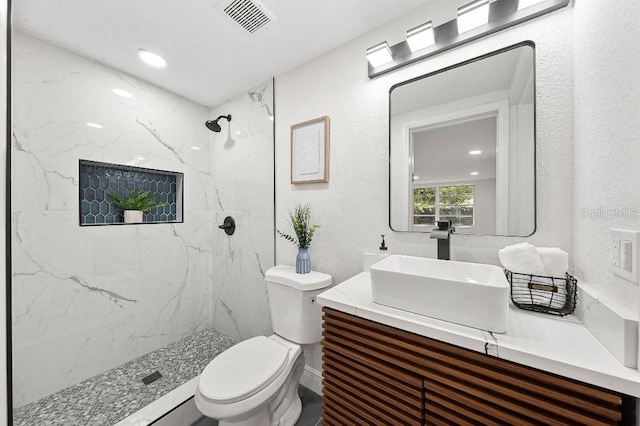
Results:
374 374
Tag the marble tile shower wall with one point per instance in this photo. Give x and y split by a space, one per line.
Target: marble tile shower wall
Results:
87 299
243 176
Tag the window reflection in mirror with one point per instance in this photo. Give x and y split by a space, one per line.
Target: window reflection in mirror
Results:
462 146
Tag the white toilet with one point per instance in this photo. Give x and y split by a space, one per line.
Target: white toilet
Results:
255 383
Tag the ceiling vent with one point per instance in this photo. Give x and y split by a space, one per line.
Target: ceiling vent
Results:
251 15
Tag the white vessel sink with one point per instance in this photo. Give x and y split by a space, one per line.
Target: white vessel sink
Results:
471 294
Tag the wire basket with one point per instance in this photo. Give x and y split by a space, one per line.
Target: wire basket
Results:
538 293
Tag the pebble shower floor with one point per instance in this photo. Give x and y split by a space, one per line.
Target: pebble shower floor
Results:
107 398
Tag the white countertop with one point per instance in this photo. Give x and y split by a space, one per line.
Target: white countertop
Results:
558 345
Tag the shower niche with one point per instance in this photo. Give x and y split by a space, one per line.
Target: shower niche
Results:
100 182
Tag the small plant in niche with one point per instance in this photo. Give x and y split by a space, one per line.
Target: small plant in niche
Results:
300 220
134 204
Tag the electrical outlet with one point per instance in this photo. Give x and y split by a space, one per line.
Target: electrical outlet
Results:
624 256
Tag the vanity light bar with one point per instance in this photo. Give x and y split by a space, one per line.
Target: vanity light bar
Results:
379 54
473 15
486 16
523 4
421 37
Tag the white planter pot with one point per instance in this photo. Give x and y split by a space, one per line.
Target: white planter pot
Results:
133 216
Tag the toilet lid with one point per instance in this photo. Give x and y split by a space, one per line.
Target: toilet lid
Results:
243 370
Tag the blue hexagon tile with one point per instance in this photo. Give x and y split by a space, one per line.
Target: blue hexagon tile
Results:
99 180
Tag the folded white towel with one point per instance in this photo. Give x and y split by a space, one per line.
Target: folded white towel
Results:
546 261
522 258
555 261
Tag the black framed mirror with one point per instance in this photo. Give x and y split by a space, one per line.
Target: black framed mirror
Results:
462 146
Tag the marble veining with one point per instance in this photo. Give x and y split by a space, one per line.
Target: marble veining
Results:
158 138
89 299
258 96
242 176
491 345
105 399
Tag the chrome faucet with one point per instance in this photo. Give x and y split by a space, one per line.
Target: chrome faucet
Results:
442 233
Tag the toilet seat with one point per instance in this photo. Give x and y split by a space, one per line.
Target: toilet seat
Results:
243 370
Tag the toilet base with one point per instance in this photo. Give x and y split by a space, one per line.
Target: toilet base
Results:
287 406
261 418
283 410
292 415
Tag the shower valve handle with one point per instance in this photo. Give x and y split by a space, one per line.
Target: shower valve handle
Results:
229 225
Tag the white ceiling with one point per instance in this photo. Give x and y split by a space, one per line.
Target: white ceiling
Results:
211 59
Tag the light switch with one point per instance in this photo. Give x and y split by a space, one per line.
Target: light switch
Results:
624 256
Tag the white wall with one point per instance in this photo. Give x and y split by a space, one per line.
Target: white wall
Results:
353 207
3 156
87 299
607 142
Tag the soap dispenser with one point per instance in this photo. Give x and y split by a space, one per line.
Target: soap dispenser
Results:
383 245
383 249
369 259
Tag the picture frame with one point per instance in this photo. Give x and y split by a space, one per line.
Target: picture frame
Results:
310 151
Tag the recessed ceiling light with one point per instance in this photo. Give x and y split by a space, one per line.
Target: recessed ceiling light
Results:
379 54
415 177
474 173
95 125
475 152
122 93
152 59
420 37
473 15
523 4
196 148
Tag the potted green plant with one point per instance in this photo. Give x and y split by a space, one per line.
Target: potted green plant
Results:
135 204
300 220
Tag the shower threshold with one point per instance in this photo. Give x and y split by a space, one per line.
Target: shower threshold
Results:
109 397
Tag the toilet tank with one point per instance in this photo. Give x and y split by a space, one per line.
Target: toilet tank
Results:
294 313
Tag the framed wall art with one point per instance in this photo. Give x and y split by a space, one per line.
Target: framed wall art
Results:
310 151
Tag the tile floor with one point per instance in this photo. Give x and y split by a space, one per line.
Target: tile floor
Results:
311 410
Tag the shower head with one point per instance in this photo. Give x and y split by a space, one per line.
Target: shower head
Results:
213 124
